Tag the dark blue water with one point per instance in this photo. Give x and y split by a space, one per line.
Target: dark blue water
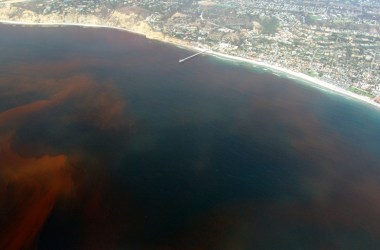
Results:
108 143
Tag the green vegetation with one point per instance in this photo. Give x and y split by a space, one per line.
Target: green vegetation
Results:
313 19
316 17
342 20
360 91
270 25
312 73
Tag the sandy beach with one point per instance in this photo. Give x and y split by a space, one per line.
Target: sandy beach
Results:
301 76
290 73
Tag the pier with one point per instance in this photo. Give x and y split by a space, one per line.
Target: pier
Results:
189 57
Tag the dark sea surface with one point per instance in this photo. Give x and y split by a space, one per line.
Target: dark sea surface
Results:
107 142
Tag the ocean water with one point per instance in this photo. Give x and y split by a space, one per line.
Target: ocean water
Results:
107 142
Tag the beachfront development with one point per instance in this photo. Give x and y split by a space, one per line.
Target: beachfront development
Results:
331 43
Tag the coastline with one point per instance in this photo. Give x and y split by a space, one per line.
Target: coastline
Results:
301 76
294 75
85 25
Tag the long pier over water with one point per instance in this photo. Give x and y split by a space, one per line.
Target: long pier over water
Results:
189 57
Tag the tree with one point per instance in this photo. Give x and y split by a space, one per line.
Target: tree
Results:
270 25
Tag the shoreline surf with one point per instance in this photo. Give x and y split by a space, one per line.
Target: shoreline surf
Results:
315 82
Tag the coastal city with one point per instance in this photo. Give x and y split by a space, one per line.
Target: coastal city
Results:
337 42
